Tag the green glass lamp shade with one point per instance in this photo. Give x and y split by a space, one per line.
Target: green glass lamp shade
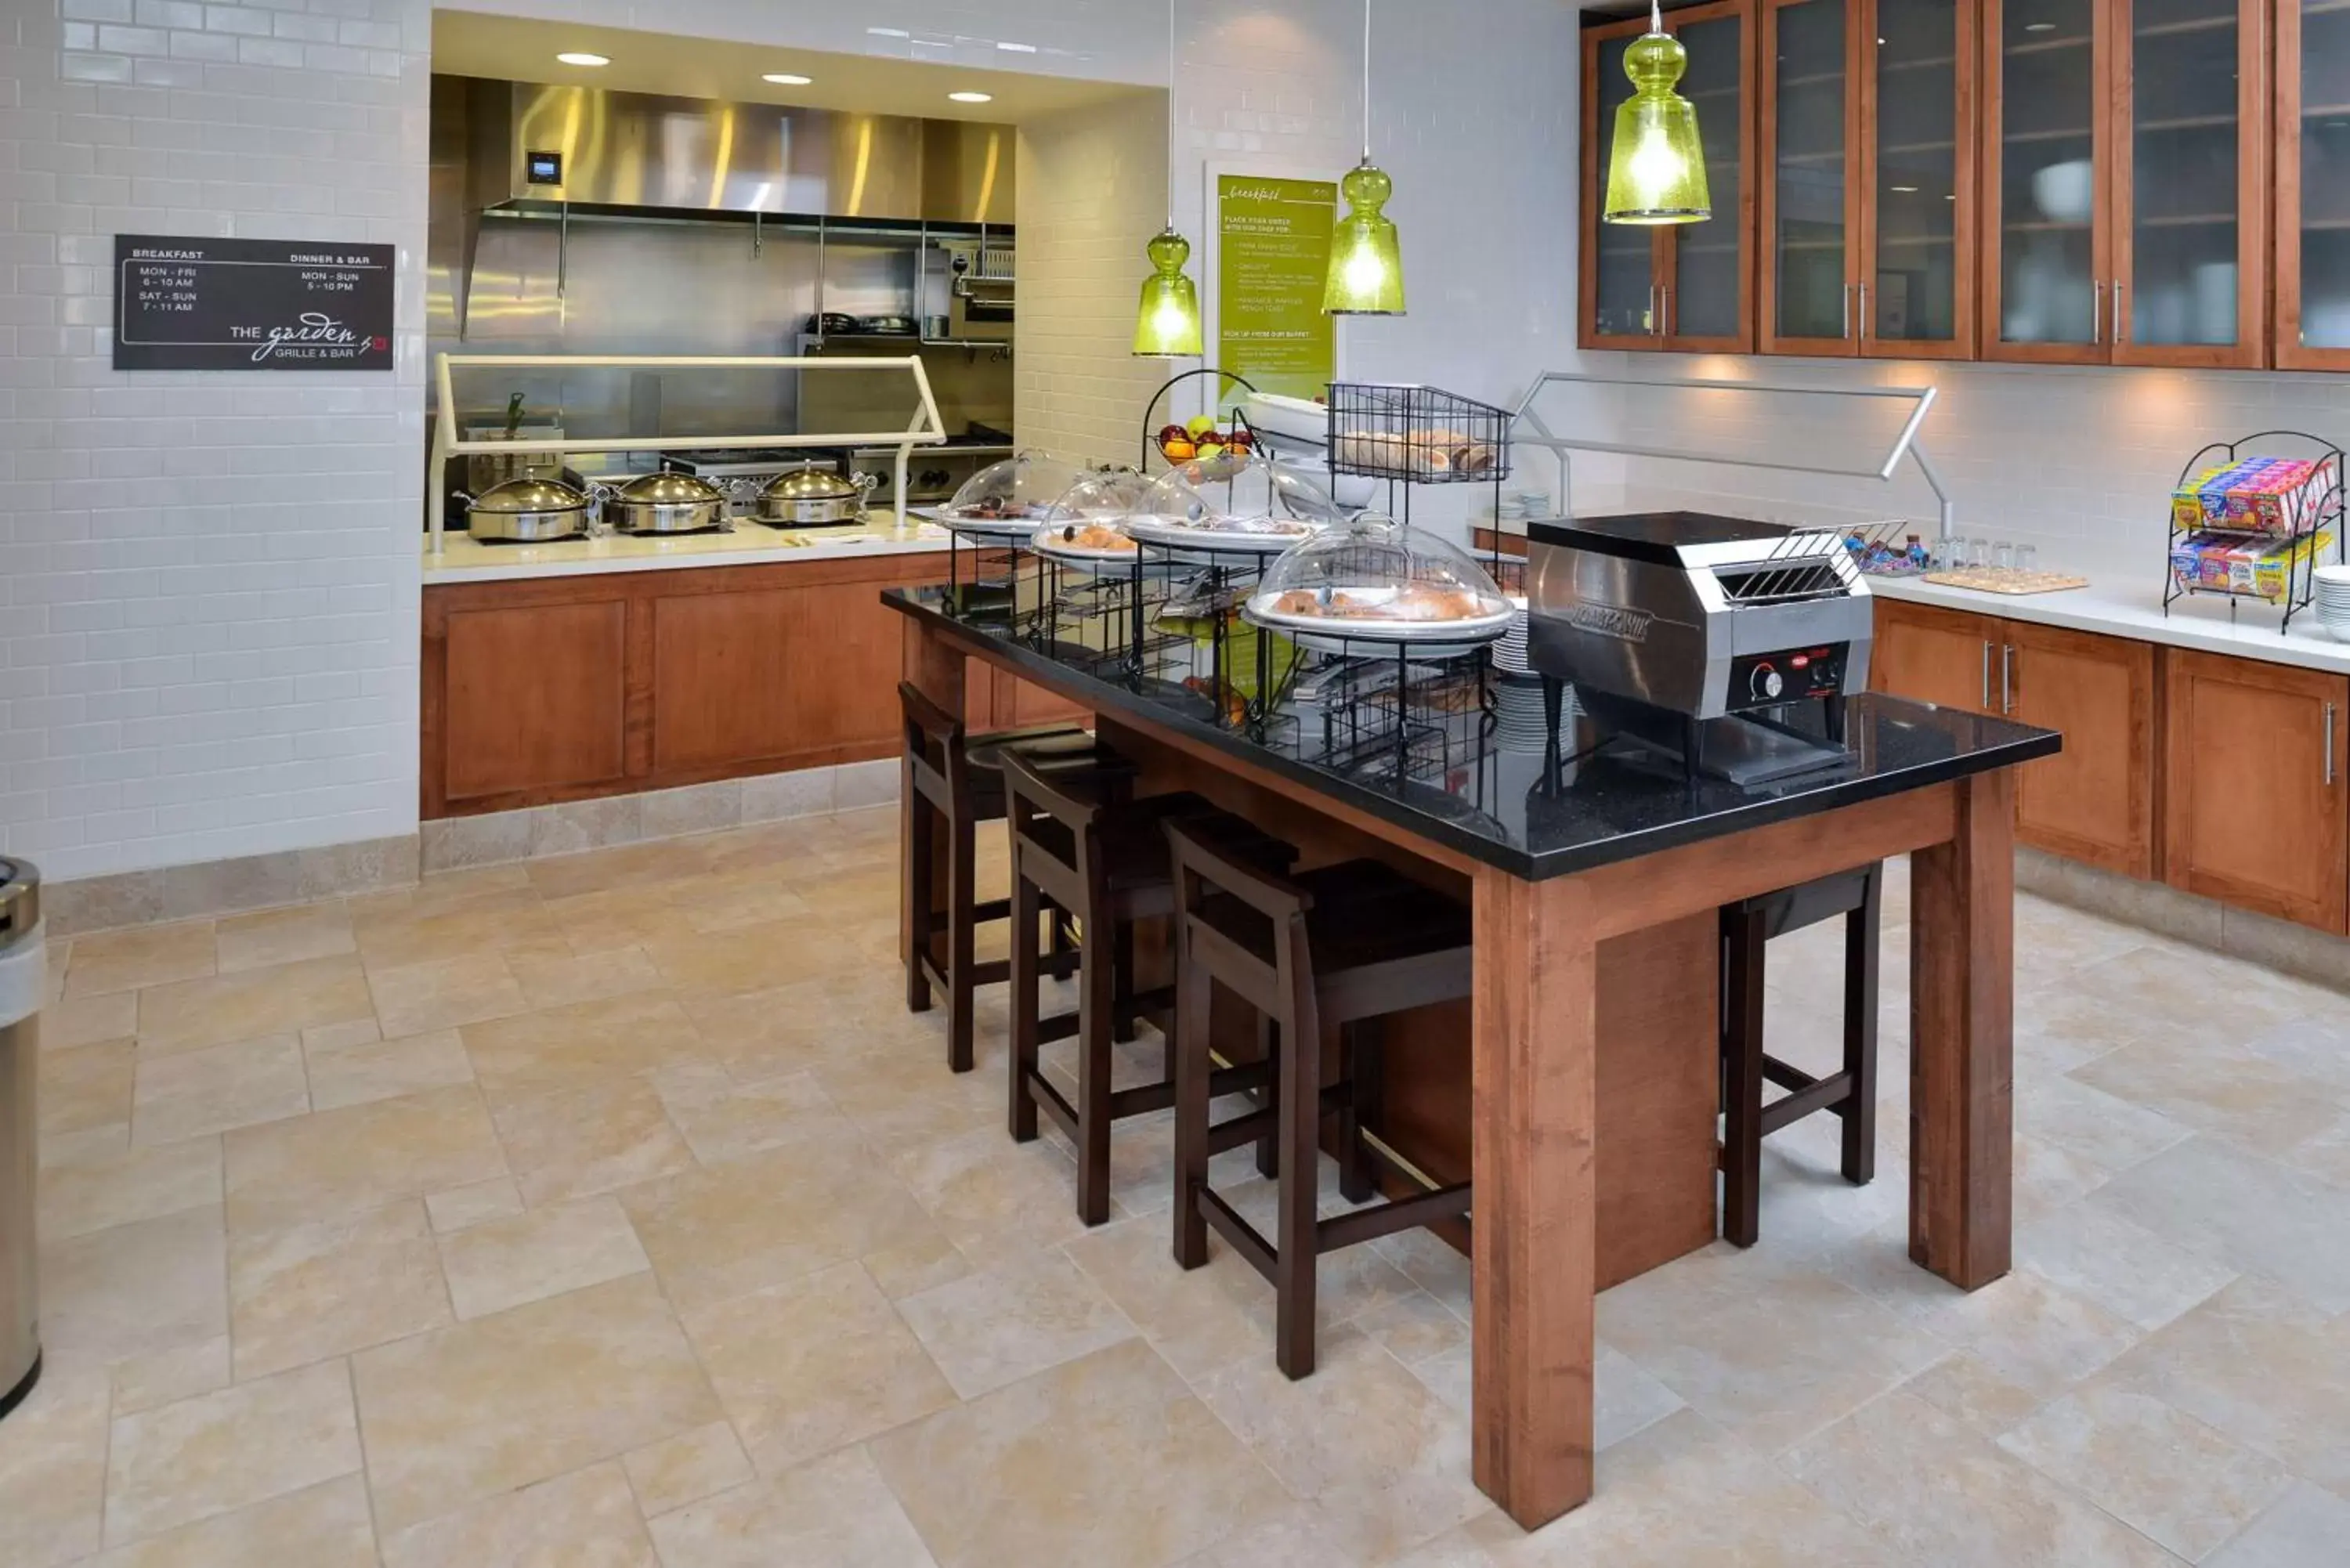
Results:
1366 261
1169 320
1656 172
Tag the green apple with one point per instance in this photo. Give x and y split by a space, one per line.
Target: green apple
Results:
1200 425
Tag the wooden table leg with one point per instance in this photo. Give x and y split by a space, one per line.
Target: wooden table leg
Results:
1962 1034
935 668
1533 1029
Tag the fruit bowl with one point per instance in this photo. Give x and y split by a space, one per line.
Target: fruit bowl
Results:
1203 439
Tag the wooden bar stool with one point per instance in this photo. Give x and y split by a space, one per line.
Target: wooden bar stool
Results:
1103 861
1339 946
953 780
1850 1092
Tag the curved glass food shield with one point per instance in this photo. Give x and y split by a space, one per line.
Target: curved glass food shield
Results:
1169 319
1375 567
1656 172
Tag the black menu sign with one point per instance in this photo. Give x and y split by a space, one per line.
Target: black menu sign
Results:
250 305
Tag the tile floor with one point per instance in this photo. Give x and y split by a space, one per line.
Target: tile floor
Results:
612 1210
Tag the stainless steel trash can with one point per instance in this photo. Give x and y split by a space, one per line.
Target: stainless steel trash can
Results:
24 973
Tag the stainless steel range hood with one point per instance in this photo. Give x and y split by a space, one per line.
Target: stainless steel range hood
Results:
530 144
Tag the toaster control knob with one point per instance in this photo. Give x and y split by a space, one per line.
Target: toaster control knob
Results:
1766 682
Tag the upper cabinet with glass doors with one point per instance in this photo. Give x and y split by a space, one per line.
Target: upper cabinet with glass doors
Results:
1678 286
2312 185
2125 158
1868 153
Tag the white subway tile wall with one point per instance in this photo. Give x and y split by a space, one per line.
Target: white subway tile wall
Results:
209 643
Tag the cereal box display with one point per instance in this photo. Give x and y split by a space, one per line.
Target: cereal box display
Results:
2231 563
2256 495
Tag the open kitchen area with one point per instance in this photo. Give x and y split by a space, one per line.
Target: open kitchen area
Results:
1001 784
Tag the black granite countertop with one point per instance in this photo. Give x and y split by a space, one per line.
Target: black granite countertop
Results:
1494 797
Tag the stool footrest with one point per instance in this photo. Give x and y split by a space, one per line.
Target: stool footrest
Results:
1828 1094
1251 1126
1330 1235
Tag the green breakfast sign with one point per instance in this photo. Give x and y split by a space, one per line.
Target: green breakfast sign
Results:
1273 255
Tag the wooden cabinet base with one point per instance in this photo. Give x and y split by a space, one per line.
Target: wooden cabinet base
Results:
560 689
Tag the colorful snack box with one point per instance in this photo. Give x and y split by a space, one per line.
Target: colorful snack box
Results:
2255 567
2256 495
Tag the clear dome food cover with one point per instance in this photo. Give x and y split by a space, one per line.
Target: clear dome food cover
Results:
1019 490
1235 492
1090 516
1379 571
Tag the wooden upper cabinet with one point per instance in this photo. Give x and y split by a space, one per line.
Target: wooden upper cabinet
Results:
2094 801
1678 286
1937 656
2125 166
2313 186
1866 145
2256 783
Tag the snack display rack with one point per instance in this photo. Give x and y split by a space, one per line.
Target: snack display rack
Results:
2300 519
1412 435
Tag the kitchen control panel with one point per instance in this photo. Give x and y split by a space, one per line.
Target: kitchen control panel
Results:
1789 675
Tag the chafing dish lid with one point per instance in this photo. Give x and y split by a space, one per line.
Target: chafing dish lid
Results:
530 495
809 484
668 489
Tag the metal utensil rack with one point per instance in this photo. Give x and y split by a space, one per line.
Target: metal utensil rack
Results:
2306 514
924 429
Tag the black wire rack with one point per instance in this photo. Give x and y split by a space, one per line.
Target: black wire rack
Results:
1412 435
2298 520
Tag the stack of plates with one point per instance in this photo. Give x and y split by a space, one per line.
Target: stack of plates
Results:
1510 651
1518 722
2333 601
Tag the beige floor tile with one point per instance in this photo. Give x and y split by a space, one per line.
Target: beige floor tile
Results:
89 1020
281 998
1683 1491
550 978
922 1261
903 1098
2325 1155
607 920
1386 1456
1033 1311
87 1086
323 1526
449 923
442 994
53 1471
193 1094
764 1034
770 1217
282 936
2228 1090
104 1141
987 1482
328 1287
1300 1535
2161 1471
586 1520
687 1467
460 1207
986 1191
1963 1387
85 1194
341 1162
132 1289
143 1382
219 1452
1202 1320
145 955
1765 1346
466 1413
355 1073
1940 1494
748 957
813 1366
723 1120
501 1263
572 1047
727 901
2244 1212
2305 1528
590 1140
629 866
2268 1370
836 1511
2124 1268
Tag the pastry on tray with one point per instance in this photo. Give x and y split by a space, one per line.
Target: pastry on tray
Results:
992 510
1095 536
1413 602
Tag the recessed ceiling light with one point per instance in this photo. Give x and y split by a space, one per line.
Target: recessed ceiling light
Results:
1016 48
786 78
2040 26
582 57
1904 189
973 97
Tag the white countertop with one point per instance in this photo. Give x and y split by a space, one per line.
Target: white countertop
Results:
463 559
2135 610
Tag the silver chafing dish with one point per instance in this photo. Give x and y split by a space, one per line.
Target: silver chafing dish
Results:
811 496
1685 629
666 503
526 509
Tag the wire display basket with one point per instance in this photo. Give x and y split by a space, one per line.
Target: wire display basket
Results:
2254 518
1416 435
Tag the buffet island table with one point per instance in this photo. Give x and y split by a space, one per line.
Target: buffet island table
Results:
1578 1088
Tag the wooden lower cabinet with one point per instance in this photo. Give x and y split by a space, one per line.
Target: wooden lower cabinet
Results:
2094 800
1935 656
557 689
2256 761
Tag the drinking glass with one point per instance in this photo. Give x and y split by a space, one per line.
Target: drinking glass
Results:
2004 557
2027 557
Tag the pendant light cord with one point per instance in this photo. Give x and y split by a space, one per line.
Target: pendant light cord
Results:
1655 15
1367 80
1171 114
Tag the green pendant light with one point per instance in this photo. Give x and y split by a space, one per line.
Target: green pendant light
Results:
1167 321
1366 260
1656 172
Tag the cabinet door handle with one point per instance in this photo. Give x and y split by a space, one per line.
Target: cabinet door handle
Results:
2117 313
2006 683
1845 293
2097 312
1666 290
2329 745
1654 328
1864 307
1986 676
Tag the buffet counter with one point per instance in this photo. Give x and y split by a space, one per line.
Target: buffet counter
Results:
463 559
1579 1088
